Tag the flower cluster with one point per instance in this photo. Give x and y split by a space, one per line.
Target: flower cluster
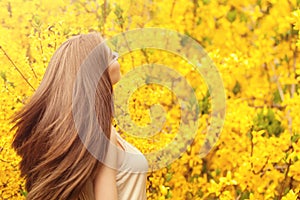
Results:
254 45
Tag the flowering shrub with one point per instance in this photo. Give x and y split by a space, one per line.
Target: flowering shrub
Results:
255 46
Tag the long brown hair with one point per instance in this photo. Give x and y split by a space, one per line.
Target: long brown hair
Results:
55 161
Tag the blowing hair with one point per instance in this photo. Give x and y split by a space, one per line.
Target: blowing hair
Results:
56 162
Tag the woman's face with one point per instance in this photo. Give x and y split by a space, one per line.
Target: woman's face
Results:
114 69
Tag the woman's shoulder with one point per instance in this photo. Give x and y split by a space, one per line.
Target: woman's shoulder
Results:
133 160
117 139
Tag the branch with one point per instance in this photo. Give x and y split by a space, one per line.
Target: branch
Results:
284 180
293 86
280 90
12 62
265 102
280 107
262 169
172 8
289 118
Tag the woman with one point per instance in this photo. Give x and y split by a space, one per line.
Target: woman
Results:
63 156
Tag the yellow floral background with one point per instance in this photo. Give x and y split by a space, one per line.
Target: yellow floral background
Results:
253 43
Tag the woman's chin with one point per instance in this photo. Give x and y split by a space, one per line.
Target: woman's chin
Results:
116 79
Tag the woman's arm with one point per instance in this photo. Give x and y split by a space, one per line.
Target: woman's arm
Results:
105 186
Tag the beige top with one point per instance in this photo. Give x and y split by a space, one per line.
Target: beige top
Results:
132 172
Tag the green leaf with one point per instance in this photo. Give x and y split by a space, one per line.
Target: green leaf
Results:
231 15
295 138
169 177
3 76
205 2
237 88
268 122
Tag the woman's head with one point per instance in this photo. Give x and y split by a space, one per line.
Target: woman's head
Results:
55 160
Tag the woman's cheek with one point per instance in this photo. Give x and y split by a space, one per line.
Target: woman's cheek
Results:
114 72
